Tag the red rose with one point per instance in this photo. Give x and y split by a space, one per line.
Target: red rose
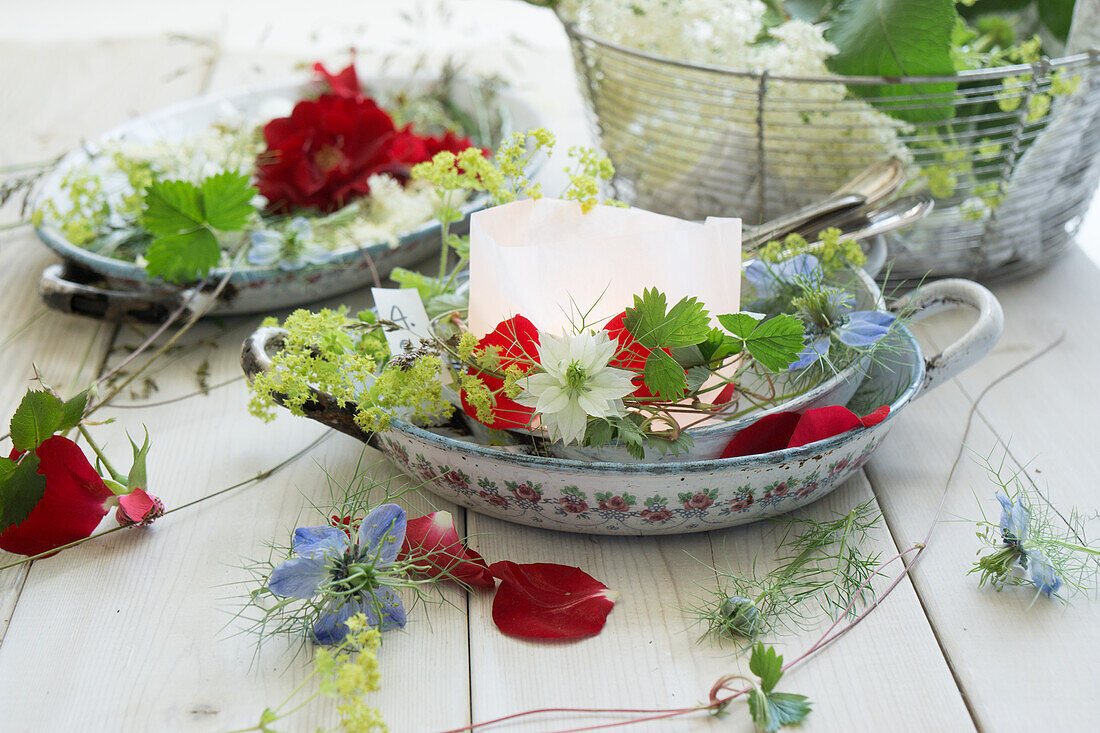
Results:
618 504
322 155
494 499
573 506
73 503
518 342
525 491
699 501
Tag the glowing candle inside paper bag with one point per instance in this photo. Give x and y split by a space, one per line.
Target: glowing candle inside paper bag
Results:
546 260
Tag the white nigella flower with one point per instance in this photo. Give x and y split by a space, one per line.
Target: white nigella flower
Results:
575 383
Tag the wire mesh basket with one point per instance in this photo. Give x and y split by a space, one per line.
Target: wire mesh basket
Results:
1010 153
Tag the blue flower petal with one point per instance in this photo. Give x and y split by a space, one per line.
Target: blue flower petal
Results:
298 577
800 268
319 541
288 265
301 228
817 348
761 278
315 254
382 532
1015 519
390 609
1042 573
330 627
864 328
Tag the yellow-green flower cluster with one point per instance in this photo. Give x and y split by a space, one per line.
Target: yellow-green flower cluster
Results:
351 673
88 210
831 251
412 391
318 351
584 179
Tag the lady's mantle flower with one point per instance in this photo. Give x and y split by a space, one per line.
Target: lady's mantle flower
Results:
1015 552
291 251
345 579
576 382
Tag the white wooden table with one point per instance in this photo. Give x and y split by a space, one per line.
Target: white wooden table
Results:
134 632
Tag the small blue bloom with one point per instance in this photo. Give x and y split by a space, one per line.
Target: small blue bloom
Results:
1042 573
864 328
817 348
291 251
1015 518
348 579
769 279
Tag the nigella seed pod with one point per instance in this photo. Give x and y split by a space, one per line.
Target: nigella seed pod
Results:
739 616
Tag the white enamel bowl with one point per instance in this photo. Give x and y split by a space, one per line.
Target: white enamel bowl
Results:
666 498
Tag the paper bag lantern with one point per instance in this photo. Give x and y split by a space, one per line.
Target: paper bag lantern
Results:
550 262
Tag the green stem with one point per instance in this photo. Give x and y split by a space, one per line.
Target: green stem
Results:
99 454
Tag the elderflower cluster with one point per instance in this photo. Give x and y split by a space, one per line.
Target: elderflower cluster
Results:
812 131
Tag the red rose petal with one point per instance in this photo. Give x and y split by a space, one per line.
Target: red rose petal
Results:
74 502
432 539
769 433
138 507
725 394
821 423
344 84
518 342
548 601
791 430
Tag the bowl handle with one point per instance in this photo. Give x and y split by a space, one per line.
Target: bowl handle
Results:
974 344
61 289
320 407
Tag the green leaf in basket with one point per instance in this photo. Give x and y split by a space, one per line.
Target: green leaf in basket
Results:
227 201
897 38
1057 16
38 416
656 326
21 487
183 257
775 342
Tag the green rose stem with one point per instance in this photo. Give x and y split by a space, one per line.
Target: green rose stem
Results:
99 454
831 634
261 476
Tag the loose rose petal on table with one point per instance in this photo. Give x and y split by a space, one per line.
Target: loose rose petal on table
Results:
549 601
74 501
433 540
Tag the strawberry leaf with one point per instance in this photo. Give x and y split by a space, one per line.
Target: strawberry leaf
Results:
548 601
227 201
183 257
38 416
171 207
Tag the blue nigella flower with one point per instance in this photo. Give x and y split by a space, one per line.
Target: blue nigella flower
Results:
1015 520
290 251
348 578
770 279
829 311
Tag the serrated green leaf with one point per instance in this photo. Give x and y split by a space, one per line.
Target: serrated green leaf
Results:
227 201
21 488
766 664
422 284
788 708
664 377
775 342
655 326
598 432
718 345
897 38
183 257
172 207
72 412
38 416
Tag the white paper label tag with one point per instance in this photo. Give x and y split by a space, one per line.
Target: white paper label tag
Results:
404 308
